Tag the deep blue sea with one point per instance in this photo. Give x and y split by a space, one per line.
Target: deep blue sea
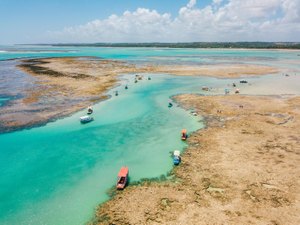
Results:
57 174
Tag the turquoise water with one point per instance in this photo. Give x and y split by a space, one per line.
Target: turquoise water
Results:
3 100
158 55
57 174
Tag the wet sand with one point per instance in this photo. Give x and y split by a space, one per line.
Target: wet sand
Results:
220 71
63 86
243 168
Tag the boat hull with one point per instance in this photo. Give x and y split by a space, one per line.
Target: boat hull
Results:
122 178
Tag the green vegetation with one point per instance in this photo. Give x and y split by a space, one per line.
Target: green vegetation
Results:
257 45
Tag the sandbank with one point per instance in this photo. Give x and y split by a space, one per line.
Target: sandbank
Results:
67 85
243 168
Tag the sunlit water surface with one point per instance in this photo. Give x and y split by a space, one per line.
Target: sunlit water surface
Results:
58 173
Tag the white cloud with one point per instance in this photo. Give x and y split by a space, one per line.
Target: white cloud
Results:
191 3
217 2
235 20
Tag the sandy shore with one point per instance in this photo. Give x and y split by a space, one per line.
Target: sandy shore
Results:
242 169
66 85
220 71
62 87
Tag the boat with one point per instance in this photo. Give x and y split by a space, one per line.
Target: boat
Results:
135 81
126 87
122 178
227 91
176 157
194 113
170 105
117 93
90 110
149 78
204 88
86 119
237 91
184 134
243 81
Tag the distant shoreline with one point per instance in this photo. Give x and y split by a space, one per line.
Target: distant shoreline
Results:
209 45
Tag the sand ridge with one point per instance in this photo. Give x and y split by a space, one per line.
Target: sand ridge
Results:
67 85
243 168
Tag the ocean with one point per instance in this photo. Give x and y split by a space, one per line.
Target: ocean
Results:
57 174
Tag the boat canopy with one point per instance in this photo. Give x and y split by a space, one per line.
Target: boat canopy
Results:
123 172
183 131
84 117
176 153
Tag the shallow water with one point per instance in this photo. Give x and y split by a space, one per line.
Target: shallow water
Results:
57 174
159 55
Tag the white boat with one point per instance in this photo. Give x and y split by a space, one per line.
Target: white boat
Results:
176 157
86 119
176 153
90 110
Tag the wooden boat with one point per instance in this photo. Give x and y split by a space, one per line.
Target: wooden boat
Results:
176 157
170 105
126 87
243 81
117 93
122 178
183 134
86 119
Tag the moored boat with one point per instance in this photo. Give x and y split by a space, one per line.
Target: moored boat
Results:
90 110
122 178
176 157
86 119
170 105
205 88
183 134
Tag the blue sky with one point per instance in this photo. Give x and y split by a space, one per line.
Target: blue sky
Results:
50 21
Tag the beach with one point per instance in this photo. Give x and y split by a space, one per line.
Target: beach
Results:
241 169
239 164
68 84
150 112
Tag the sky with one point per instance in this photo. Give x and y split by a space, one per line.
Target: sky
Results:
90 21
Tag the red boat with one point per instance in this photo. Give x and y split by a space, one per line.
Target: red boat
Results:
183 134
122 178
